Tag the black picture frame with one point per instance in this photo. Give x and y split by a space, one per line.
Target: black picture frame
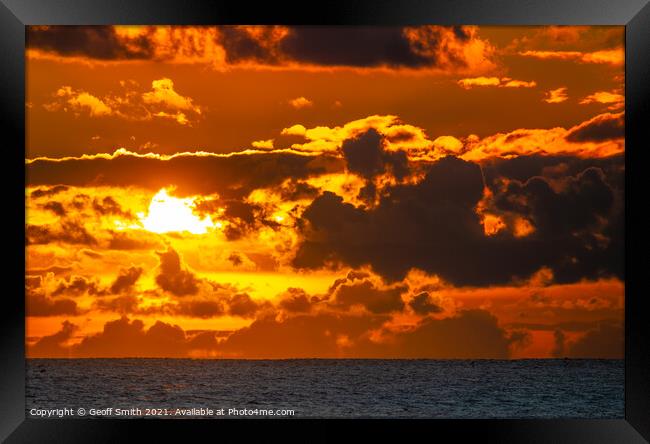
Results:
16 14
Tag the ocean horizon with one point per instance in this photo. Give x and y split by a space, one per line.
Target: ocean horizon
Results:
325 388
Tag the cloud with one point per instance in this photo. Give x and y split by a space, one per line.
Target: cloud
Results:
38 304
425 47
423 304
614 100
600 136
295 300
78 101
366 294
418 147
172 277
55 207
77 286
614 57
234 175
163 93
242 305
302 336
558 95
132 240
366 155
263 144
54 345
399 136
161 101
471 334
603 127
126 279
504 82
458 48
204 309
300 102
237 174
99 42
124 338
433 226
604 342
47 192
65 231
109 206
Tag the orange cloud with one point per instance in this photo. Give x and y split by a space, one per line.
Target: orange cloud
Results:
163 93
612 56
614 100
600 136
558 95
162 101
263 144
504 82
78 100
300 102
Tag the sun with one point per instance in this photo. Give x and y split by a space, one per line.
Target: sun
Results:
167 214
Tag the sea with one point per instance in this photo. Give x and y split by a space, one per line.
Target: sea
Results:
325 388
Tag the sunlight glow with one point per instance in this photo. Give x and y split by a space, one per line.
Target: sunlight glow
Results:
167 213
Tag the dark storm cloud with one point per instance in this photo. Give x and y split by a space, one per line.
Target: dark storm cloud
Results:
602 127
229 176
242 305
215 305
375 300
302 336
471 334
423 304
297 190
203 309
242 217
77 286
522 168
37 304
354 46
55 207
366 156
109 206
433 226
124 337
68 231
605 342
95 42
570 222
142 240
126 279
295 300
54 345
46 192
124 304
173 278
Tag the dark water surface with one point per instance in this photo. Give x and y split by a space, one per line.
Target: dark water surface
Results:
330 387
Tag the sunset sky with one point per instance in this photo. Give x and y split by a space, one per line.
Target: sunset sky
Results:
295 192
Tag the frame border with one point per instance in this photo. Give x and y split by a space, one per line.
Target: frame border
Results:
634 14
